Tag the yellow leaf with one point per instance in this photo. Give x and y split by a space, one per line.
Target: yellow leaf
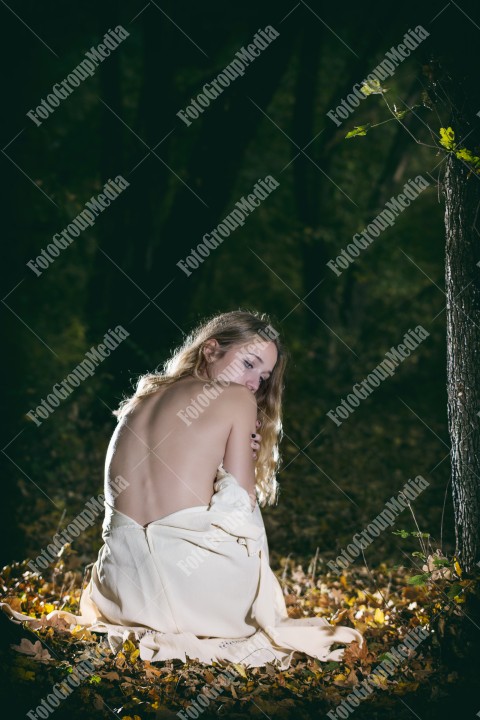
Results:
379 616
361 627
128 646
82 633
24 674
447 137
240 669
378 680
457 567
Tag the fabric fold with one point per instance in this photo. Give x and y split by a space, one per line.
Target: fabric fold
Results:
196 584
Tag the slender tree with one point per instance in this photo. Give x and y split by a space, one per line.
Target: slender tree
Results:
455 94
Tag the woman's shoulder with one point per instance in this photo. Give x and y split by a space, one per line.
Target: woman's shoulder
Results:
238 401
227 397
232 392
227 389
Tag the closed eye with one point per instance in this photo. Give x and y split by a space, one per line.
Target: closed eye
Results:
249 365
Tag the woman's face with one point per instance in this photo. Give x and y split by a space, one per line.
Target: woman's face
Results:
248 364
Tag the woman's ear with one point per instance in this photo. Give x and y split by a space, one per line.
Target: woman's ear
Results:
209 349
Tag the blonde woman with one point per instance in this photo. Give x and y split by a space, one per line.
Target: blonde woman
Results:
184 569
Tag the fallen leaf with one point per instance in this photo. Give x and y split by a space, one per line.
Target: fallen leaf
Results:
35 650
354 652
111 675
240 669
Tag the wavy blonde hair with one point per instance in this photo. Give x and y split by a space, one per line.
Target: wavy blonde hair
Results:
229 329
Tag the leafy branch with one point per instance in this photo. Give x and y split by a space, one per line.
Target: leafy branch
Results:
447 140
436 566
447 135
373 87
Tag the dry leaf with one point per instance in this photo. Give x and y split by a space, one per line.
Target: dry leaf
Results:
35 650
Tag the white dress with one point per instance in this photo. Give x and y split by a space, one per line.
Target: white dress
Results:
197 583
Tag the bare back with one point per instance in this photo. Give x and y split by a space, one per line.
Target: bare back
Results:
169 464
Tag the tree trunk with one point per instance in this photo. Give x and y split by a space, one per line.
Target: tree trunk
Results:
462 199
455 93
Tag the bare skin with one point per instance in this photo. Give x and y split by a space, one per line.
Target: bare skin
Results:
171 465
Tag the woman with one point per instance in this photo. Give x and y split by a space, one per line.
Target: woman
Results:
184 569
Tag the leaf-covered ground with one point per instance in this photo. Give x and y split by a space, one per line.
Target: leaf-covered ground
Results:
438 680
383 603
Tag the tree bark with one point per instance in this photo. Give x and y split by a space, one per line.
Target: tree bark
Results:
462 274
455 93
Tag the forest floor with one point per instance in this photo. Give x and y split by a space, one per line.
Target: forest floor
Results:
435 679
381 598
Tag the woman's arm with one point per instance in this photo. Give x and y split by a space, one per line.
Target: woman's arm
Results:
238 460
255 441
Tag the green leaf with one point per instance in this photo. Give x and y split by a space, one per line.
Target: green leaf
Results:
418 579
419 554
331 665
372 87
384 656
402 533
468 156
420 534
441 562
464 154
359 130
454 590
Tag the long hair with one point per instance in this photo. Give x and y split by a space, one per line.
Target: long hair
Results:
230 328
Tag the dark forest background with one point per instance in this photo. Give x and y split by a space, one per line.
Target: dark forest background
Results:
334 480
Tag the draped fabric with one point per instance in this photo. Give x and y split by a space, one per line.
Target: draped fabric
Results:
198 584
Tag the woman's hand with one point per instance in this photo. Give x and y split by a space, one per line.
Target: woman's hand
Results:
255 441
